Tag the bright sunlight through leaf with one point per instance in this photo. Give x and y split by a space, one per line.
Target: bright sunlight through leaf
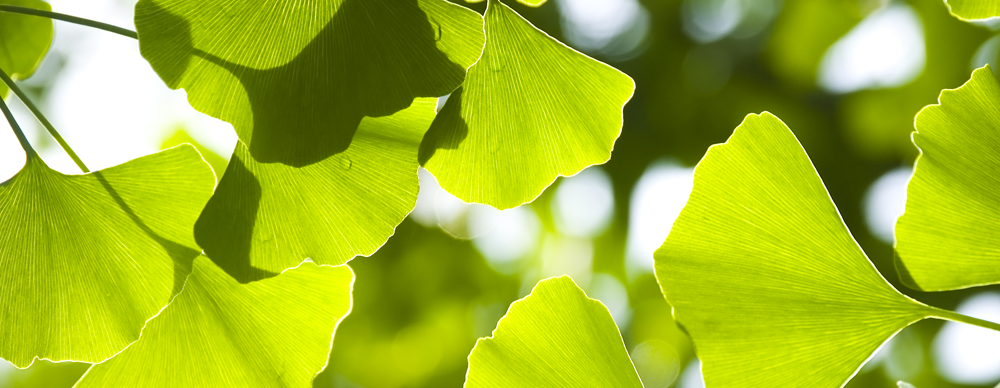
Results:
554 337
531 109
947 238
266 217
24 40
763 274
218 333
89 258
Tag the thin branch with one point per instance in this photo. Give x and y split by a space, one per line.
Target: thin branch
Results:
30 152
41 118
69 18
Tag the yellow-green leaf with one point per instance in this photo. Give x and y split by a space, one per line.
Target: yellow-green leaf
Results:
266 217
296 78
947 238
529 111
87 259
554 337
218 333
24 40
974 9
763 274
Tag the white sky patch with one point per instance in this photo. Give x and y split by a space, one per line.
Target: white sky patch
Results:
584 204
657 200
567 256
691 377
613 27
967 354
885 201
607 289
504 236
107 102
885 50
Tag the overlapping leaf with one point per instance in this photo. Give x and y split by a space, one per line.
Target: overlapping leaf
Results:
24 40
764 275
218 333
87 259
974 9
529 111
554 337
947 238
266 217
296 78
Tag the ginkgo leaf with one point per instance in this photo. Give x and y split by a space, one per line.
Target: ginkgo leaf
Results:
947 238
295 78
24 40
218 333
87 259
763 274
554 337
529 111
266 217
974 9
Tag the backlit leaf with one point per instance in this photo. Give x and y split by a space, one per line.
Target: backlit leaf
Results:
266 217
24 40
763 274
87 259
947 238
529 111
218 333
296 78
554 337
974 9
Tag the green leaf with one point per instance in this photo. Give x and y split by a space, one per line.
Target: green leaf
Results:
181 136
296 78
218 333
763 274
24 40
974 9
947 238
87 259
266 217
554 337
529 111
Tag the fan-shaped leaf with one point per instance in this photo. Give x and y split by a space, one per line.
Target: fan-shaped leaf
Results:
554 337
295 78
266 217
87 259
947 238
530 110
974 9
218 333
24 40
764 275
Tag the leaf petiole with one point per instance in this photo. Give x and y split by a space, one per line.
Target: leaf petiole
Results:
41 118
956 317
68 18
17 130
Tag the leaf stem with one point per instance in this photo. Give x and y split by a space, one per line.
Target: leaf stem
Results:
41 118
68 18
956 317
30 152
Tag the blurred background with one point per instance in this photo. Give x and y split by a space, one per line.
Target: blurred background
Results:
847 76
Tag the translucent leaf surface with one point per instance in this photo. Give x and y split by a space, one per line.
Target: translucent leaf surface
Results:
947 238
764 275
295 78
266 217
24 40
554 337
530 110
974 9
218 333
87 259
